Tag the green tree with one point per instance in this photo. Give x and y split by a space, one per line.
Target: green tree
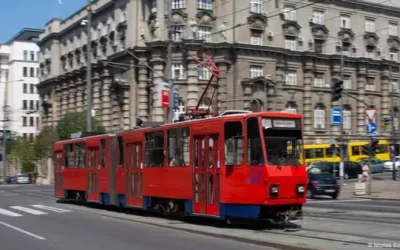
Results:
43 145
23 151
76 122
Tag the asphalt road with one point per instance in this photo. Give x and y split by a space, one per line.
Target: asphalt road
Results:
30 219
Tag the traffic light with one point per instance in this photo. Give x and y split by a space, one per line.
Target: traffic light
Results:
337 89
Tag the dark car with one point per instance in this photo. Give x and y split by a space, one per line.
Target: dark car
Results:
322 183
351 168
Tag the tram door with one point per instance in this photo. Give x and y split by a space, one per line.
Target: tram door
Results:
93 166
59 176
134 175
206 175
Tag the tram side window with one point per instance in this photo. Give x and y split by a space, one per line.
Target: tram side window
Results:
233 143
178 147
120 151
382 149
254 150
355 150
103 153
154 149
80 154
69 155
314 153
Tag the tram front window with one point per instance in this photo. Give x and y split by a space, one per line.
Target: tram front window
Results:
283 141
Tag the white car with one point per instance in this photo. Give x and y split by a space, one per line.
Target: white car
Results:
22 179
389 164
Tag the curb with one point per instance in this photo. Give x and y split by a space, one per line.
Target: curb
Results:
376 198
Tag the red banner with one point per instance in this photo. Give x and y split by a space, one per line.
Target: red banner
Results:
165 98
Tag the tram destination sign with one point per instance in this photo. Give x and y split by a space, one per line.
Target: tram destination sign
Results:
281 123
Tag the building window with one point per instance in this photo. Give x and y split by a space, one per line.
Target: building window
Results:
32 72
393 29
178 72
319 46
256 71
290 43
37 105
205 4
37 55
291 107
25 72
345 22
30 137
347 82
31 105
291 78
37 121
178 4
25 55
370 86
393 55
369 25
32 55
319 80
394 86
204 33
32 89
347 118
177 34
370 52
24 105
203 73
318 17
256 37
289 13
25 88
24 121
256 6
31 122
319 117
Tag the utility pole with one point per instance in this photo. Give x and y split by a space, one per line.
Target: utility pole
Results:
393 132
168 71
342 147
89 68
5 127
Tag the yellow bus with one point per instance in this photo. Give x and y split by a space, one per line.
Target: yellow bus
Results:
358 150
355 152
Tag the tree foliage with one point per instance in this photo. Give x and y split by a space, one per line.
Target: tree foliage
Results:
44 142
76 122
23 150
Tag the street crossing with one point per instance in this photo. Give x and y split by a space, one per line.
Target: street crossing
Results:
38 209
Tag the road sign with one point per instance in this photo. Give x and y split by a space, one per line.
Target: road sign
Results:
336 116
370 113
371 129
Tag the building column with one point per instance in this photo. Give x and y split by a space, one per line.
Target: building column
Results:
307 98
126 106
361 82
71 95
105 99
96 92
157 114
57 102
222 88
65 95
385 100
79 94
43 116
192 73
143 95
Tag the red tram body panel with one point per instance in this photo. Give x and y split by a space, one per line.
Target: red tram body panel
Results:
248 165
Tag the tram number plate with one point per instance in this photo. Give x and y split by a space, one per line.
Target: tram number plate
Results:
330 190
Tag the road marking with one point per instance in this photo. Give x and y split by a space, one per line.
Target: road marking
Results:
9 213
57 210
28 210
22 231
335 201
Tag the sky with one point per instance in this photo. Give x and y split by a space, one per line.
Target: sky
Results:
18 14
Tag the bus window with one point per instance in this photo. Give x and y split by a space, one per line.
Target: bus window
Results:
314 153
254 150
233 143
382 149
355 150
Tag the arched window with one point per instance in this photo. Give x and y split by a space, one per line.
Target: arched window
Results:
291 107
319 116
347 117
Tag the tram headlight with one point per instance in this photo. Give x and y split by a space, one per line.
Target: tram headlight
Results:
273 189
300 188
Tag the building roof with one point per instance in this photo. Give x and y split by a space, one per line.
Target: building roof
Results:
27 35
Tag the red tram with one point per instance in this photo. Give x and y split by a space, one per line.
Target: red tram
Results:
241 165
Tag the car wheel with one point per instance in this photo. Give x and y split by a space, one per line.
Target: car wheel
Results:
334 196
346 176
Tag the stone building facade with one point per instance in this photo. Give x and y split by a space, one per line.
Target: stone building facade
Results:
271 54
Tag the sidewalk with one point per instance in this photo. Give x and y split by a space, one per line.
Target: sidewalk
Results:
381 189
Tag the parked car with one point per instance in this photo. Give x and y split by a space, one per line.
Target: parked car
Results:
389 164
322 183
351 169
377 166
22 179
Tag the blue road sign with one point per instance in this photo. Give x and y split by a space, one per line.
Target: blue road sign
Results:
336 116
371 129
